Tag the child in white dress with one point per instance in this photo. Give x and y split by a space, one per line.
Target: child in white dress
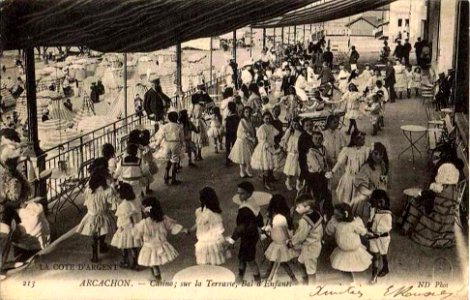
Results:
416 80
152 231
409 79
343 77
215 130
334 139
209 229
100 199
352 98
127 214
263 155
279 229
243 148
352 157
290 144
199 136
349 255
380 228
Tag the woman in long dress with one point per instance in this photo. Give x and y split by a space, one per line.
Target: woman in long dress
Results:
400 78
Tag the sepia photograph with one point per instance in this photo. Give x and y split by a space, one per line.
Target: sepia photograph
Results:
234 149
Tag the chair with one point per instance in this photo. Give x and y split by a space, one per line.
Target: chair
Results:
73 187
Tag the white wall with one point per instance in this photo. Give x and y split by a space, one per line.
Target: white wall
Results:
447 35
414 10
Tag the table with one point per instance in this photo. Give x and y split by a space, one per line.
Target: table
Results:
408 131
203 273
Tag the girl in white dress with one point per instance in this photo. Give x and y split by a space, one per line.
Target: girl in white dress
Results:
349 255
290 144
334 139
279 228
127 214
100 199
343 77
352 98
365 78
409 79
243 147
209 229
400 78
352 157
152 231
416 80
199 136
216 129
263 155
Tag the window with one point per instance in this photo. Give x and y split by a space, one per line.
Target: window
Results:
400 21
407 23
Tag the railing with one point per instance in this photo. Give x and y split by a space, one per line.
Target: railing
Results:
87 146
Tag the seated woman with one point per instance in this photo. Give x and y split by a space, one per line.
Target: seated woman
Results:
429 219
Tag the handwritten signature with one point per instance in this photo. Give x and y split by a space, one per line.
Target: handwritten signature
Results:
398 292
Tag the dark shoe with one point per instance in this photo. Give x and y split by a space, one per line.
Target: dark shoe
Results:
104 247
257 279
383 272
124 265
192 165
175 182
158 278
305 280
266 184
149 191
166 180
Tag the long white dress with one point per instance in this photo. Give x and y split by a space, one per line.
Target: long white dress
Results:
400 78
263 155
290 143
350 255
334 141
210 239
243 147
343 77
352 158
352 104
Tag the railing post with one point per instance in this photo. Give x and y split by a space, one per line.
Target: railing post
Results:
81 151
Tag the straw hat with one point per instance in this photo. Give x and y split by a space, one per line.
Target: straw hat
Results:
447 174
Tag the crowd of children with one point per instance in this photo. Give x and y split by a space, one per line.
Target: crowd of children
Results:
341 186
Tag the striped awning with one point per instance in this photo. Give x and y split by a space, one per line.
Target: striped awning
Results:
322 12
130 25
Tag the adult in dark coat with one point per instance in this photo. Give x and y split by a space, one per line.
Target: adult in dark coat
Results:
326 75
94 93
418 50
201 97
399 51
390 80
156 102
406 52
304 144
233 64
288 80
328 57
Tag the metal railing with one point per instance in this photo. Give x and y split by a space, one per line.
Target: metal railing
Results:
78 150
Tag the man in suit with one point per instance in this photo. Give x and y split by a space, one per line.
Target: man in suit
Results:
418 50
406 52
156 102
328 57
399 51
326 75
390 80
353 58
287 81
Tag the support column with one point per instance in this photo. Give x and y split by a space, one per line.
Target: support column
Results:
178 68
251 42
35 153
264 38
304 33
295 34
210 60
179 90
288 36
234 45
282 36
124 75
274 37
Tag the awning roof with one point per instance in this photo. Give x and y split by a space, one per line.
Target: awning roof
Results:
131 25
329 10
